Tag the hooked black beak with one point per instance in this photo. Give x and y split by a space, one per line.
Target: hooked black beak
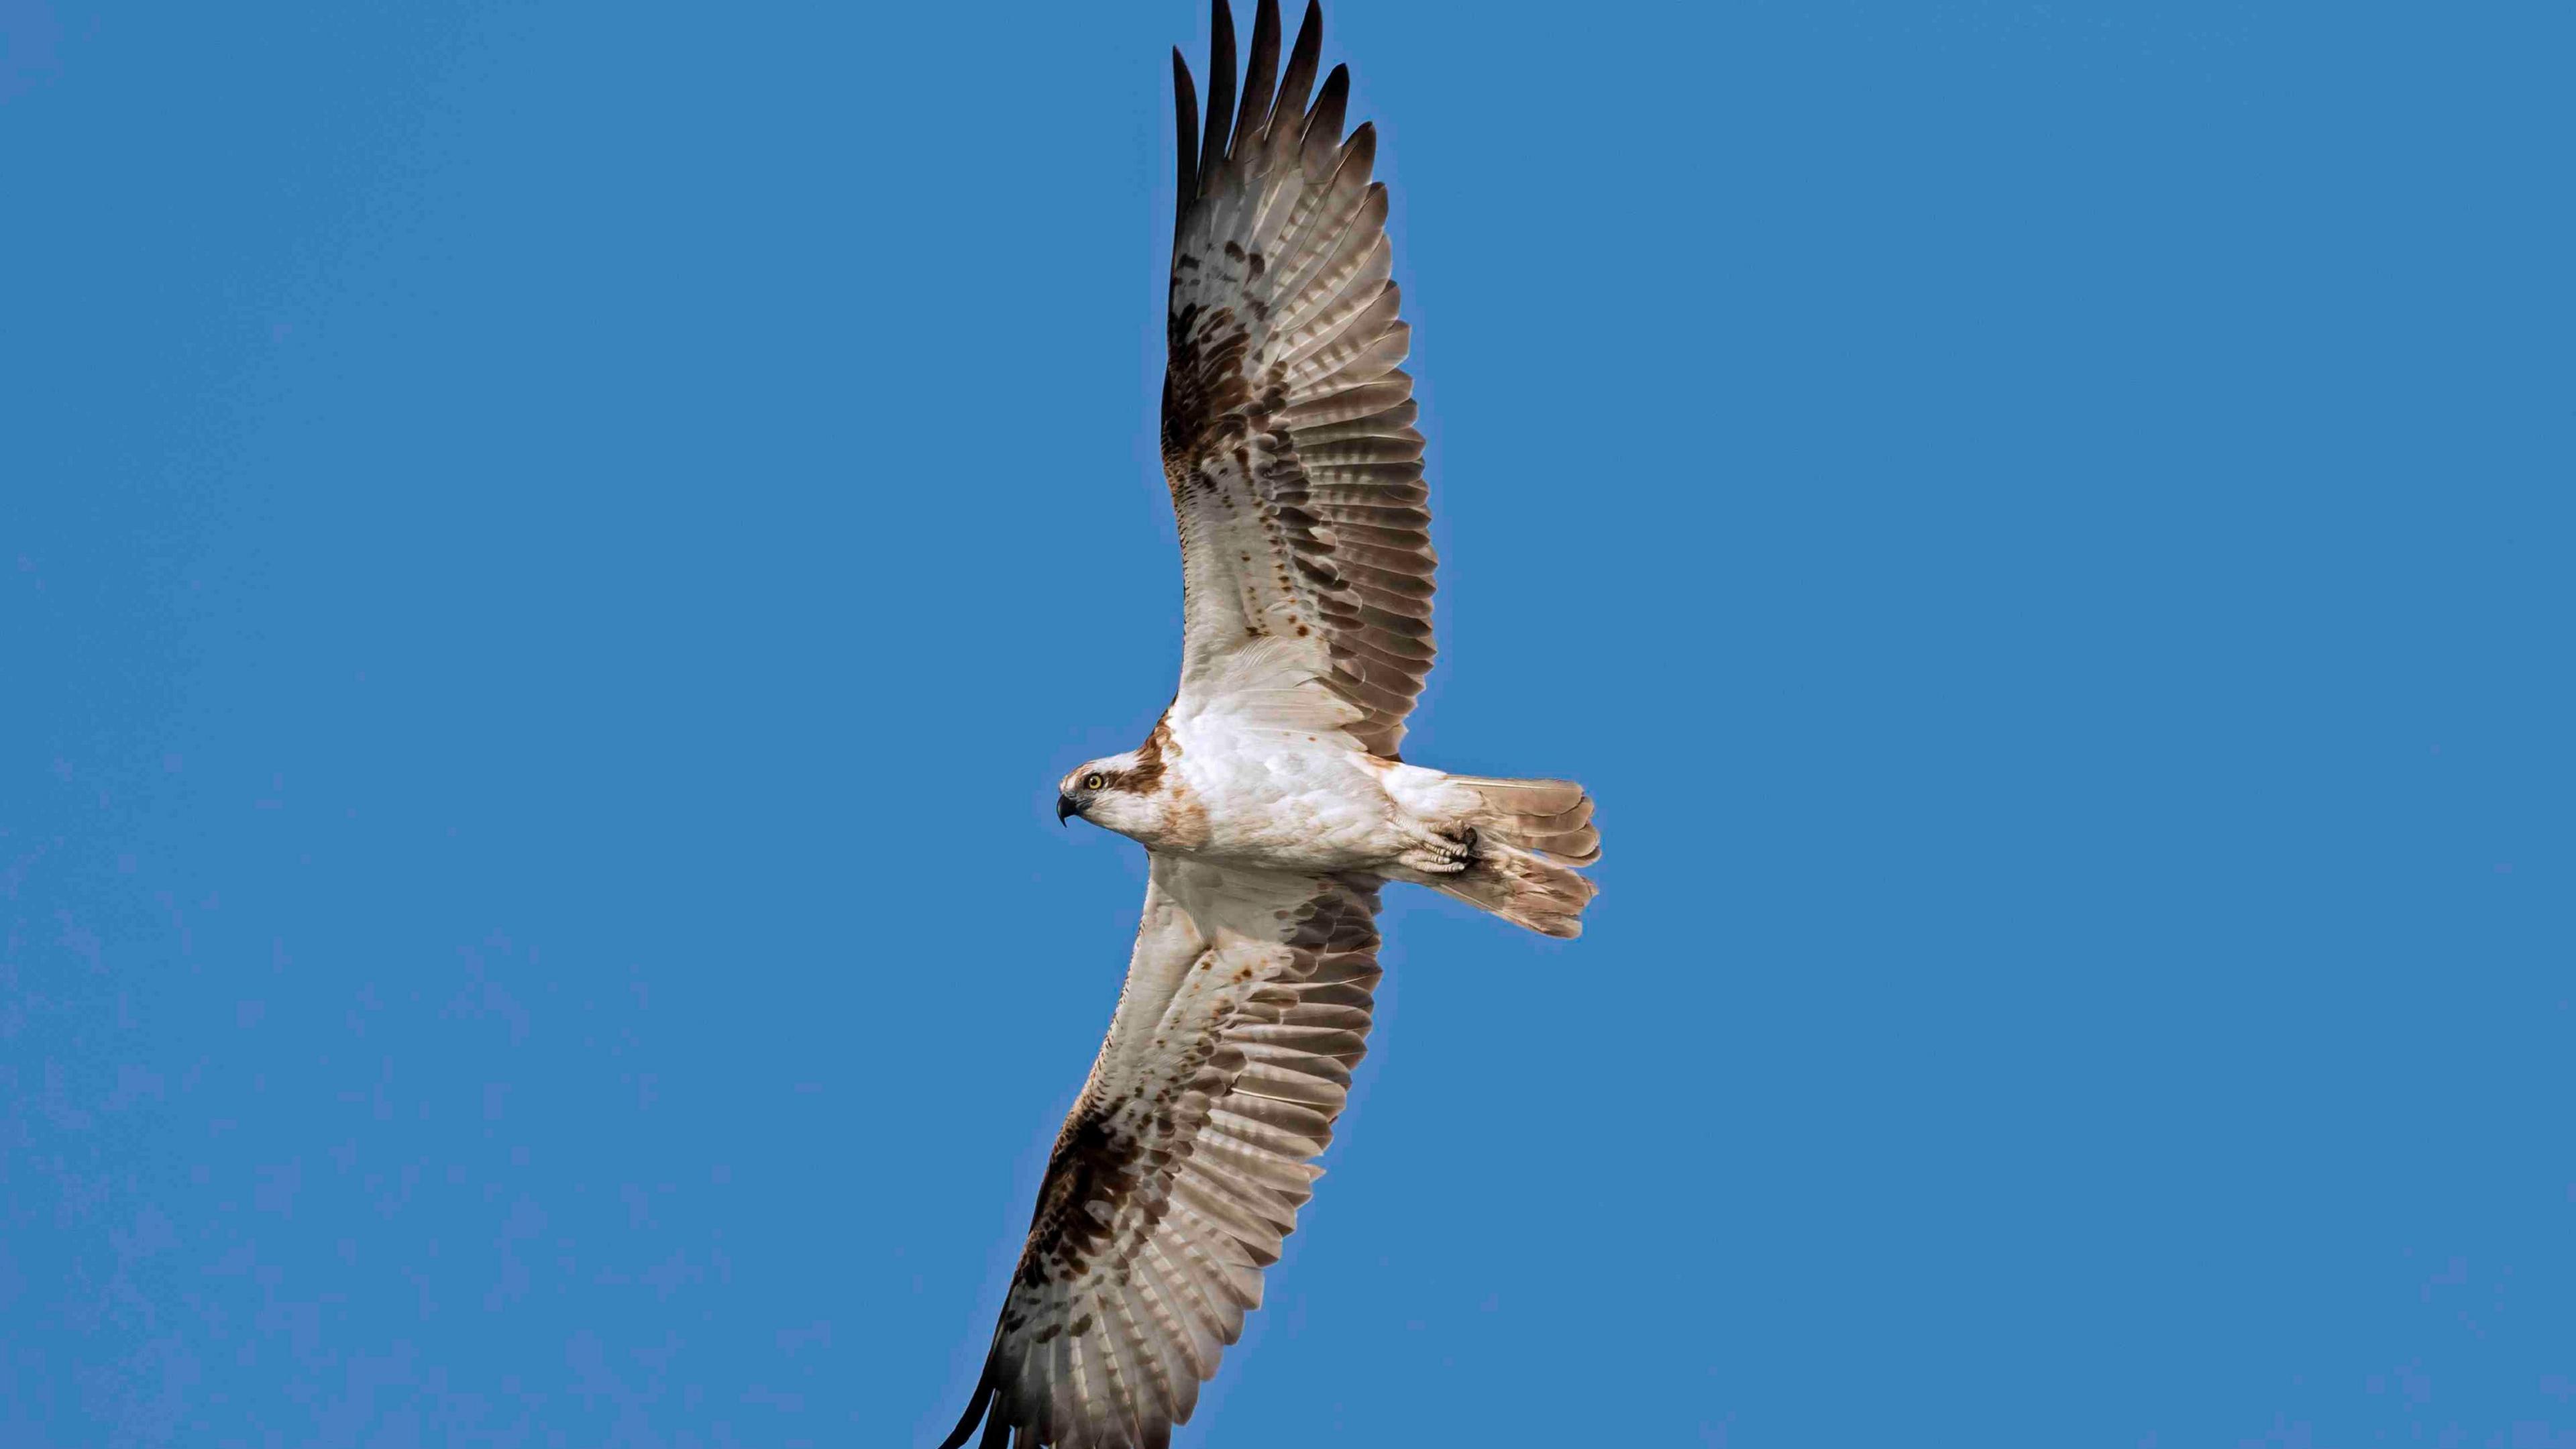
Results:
1063 808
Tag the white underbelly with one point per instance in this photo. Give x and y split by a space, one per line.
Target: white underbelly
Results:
1277 798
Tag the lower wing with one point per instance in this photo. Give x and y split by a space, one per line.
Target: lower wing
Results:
1185 1159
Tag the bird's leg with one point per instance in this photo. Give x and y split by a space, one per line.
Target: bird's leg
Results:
1433 853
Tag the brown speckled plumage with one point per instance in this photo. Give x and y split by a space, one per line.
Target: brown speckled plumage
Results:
1282 398
1271 795
1170 1190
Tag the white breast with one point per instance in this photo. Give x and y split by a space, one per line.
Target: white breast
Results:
1296 799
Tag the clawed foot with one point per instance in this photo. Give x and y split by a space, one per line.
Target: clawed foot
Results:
1437 854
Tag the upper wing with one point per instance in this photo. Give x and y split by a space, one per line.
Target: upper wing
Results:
1185 1158
1288 434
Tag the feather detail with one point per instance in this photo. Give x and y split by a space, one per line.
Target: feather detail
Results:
1187 1155
1288 428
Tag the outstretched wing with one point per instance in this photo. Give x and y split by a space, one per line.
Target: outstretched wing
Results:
1288 433
1186 1157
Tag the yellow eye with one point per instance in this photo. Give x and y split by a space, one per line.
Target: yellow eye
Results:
1093 782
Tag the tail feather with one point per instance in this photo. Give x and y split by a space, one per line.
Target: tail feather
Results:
1530 834
1551 817
1524 888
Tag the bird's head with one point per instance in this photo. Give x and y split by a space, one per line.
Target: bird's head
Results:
1110 792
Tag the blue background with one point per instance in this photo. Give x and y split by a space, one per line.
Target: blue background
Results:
552 556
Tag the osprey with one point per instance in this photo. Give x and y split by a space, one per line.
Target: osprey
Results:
1270 797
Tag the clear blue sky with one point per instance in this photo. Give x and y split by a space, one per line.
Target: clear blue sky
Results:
551 555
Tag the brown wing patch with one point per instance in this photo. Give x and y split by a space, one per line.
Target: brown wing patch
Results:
1288 438
1204 387
1177 1177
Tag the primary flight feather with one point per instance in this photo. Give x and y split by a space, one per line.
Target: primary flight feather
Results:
1270 797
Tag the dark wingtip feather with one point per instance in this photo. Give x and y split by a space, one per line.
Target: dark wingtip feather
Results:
1362 143
1325 119
1220 108
976 1404
1185 107
1260 71
1302 59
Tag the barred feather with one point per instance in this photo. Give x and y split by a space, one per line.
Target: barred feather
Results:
1288 436
1184 1162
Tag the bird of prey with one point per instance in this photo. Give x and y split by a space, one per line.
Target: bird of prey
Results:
1270 797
